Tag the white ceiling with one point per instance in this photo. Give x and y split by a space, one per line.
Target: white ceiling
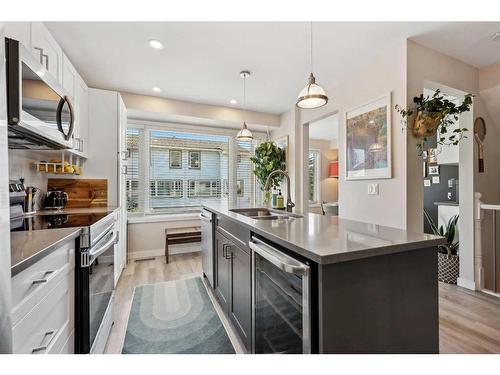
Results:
325 129
201 60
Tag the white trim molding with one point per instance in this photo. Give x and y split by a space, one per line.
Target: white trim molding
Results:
465 283
172 249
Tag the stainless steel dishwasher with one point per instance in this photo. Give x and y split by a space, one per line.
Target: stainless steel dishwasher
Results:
207 245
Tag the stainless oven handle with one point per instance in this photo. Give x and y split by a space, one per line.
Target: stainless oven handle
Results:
95 253
276 257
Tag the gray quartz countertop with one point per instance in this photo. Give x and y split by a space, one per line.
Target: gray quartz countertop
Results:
28 247
330 239
82 210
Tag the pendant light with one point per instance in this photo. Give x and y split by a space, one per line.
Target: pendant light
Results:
244 134
313 95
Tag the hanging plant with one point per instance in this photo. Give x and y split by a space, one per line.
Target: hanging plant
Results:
435 115
268 157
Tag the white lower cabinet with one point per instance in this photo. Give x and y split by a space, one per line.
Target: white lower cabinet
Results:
44 314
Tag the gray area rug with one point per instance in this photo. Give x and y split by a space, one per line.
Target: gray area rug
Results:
175 317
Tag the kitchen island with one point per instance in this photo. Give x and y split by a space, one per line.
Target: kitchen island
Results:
323 284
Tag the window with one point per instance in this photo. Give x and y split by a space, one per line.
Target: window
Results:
314 177
175 157
194 159
178 172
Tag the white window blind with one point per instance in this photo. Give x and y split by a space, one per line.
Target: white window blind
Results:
132 164
248 193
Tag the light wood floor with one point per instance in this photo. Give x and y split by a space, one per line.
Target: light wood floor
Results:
469 322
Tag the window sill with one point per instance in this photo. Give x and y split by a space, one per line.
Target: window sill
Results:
157 218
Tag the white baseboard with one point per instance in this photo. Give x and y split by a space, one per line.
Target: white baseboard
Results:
465 283
173 249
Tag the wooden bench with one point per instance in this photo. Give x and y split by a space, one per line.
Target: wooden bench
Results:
175 236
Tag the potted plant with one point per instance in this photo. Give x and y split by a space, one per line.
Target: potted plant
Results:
268 157
448 260
434 115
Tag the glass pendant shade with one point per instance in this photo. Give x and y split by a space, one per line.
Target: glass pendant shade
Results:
312 96
244 134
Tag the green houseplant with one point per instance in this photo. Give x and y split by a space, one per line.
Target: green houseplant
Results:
268 157
434 115
448 260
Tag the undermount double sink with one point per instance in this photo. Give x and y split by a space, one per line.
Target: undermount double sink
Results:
265 213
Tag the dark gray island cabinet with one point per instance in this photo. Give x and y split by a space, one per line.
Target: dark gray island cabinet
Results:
319 284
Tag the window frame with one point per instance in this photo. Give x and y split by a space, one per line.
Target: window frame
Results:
172 188
170 151
194 152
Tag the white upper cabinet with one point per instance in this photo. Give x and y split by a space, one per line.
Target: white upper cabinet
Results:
69 77
82 115
20 31
45 48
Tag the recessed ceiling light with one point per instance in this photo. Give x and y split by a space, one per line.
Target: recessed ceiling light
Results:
496 36
156 89
233 101
156 44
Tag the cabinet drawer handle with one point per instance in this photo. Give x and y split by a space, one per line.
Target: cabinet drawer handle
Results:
44 279
41 348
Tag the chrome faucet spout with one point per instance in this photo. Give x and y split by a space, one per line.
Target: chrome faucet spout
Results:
289 203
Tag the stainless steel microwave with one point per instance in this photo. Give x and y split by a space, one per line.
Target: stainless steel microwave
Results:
39 112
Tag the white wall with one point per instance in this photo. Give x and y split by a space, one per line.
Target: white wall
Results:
385 74
426 66
148 239
162 109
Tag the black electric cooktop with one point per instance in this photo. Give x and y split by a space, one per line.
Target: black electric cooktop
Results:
55 221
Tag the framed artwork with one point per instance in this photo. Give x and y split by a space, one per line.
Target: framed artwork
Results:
435 179
282 143
427 182
433 170
175 157
368 140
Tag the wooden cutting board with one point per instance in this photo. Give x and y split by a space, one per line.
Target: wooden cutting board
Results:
82 192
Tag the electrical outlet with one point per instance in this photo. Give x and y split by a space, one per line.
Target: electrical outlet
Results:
372 189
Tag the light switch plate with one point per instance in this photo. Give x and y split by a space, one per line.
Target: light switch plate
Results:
372 189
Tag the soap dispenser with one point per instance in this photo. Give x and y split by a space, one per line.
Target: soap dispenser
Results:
280 201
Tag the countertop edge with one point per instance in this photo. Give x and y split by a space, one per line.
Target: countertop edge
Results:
25 263
337 258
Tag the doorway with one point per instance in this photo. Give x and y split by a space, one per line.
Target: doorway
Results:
321 171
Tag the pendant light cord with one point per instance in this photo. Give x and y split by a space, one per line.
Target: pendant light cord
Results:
244 97
311 35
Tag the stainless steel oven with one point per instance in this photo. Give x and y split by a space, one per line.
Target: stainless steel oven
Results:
281 301
39 112
95 287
